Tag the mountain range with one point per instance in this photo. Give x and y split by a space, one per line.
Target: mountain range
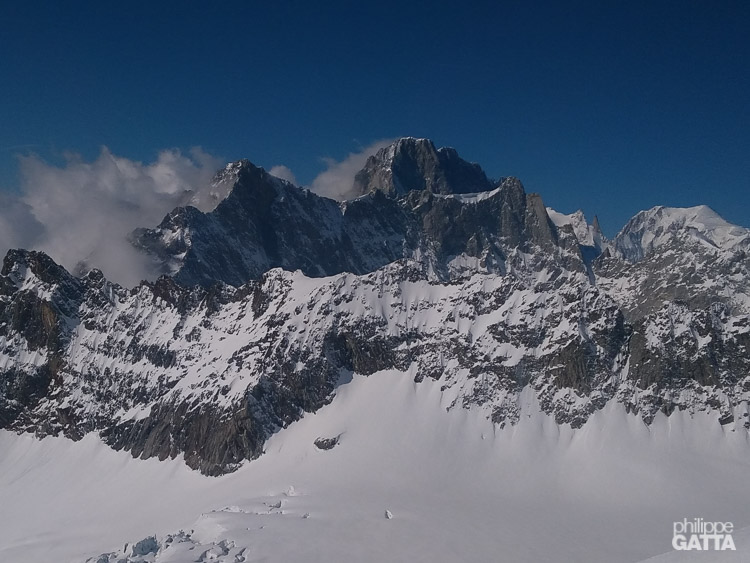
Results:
270 300
435 285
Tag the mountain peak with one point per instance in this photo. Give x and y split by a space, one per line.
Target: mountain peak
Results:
587 234
220 187
36 262
410 164
660 225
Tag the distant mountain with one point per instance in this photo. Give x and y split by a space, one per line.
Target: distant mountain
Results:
266 222
415 164
690 256
662 227
277 295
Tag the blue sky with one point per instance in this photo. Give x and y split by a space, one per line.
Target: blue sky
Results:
611 107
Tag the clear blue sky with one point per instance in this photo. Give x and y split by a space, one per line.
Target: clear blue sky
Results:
608 106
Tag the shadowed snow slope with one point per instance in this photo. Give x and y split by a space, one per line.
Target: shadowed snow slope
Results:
457 487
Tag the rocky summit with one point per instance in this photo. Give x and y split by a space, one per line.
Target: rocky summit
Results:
275 297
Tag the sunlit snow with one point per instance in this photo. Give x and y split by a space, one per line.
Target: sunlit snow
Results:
457 488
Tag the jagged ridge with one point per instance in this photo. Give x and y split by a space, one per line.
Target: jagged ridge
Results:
484 293
266 222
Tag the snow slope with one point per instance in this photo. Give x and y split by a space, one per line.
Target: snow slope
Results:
659 226
458 487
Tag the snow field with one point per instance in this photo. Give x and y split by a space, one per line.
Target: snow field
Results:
458 488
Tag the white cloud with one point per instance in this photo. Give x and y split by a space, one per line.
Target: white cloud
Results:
337 180
283 172
83 211
18 226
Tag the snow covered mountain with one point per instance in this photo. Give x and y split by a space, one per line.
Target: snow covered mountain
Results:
669 255
278 299
661 227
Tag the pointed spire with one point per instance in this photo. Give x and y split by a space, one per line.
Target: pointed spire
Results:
595 225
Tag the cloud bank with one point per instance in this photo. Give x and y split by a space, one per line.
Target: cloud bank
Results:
81 213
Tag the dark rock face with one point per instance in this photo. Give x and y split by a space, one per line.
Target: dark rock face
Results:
678 348
415 164
213 441
480 293
32 324
327 443
21 391
266 223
